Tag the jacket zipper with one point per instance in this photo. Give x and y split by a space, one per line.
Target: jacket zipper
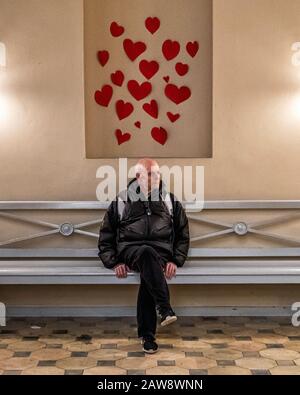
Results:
148 211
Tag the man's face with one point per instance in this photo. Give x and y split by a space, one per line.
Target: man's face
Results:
149 177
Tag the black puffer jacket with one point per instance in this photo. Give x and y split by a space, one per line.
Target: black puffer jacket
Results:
144 221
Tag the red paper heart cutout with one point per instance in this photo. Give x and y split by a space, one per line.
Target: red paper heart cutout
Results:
173 117
170 49
103 57
152 24
104 96
116 30
148 69
151 108
160 135
182 68
133 50
138 91
117 78
122 137
123 109
192 48
138 124
177 95
167 79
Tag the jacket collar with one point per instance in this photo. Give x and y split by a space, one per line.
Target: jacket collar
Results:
134 191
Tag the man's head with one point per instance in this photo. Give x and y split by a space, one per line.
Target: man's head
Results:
147 174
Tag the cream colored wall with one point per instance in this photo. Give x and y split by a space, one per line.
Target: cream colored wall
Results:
255 121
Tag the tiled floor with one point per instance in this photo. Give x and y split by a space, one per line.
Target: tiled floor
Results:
192 345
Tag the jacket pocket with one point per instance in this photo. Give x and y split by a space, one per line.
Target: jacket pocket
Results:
134 232
162 232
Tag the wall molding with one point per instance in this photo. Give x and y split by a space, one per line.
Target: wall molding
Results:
130 311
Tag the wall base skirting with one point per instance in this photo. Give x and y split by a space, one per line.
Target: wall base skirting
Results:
130 311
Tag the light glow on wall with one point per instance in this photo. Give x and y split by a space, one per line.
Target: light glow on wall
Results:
295 100
4 110
295 107
2 55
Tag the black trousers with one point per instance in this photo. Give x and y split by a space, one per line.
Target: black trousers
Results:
153 292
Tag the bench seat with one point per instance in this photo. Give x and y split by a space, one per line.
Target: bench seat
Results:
206 271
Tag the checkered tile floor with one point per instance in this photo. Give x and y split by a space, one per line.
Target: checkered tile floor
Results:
192 345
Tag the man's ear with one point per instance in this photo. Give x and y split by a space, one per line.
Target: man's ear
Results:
137 175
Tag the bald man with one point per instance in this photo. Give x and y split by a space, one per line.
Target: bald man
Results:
145 229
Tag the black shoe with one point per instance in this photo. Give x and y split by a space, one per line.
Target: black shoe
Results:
149 346
168 317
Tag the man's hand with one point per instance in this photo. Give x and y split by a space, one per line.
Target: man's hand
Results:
121 270
170 270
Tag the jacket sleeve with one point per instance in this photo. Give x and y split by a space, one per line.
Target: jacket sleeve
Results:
181 234
107 241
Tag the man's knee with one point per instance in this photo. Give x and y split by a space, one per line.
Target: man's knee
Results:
148 251
149 255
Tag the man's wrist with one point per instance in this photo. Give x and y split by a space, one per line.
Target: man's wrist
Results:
173 260
118 264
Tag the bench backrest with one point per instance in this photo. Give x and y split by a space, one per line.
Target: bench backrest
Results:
283 211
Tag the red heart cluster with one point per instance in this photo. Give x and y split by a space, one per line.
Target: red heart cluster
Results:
148 68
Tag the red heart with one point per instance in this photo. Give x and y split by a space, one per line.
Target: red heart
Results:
117 78
104 96
160 135
133 50
151 108
170 49
103 57
181 68
148 69
138 124
192 48
122 137
177 95
116 30
173 117
123 109
152 24
167 78
138 91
